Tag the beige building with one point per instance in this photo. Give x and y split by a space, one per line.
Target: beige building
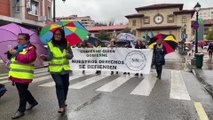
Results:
161 18
86 20
205 13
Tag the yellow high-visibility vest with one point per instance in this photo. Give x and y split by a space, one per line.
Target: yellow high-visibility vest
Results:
59 61
21 70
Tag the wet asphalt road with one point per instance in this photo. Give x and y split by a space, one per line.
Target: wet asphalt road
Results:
87 103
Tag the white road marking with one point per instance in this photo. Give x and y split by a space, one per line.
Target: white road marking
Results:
40 70
146 86
87 82
4 81
41 78
51 84
178 88
5 77
111 86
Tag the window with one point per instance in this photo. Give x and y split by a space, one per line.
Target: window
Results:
134 23
34 8
184 19
49 13
146 20
18 9
170 18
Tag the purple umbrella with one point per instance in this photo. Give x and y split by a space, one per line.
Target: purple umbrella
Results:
9 34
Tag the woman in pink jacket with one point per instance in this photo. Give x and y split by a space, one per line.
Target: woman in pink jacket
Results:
22 56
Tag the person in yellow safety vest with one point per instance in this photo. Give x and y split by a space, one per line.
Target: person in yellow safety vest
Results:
97 45
59 53
22 59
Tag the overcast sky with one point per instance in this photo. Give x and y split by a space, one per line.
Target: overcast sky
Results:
114 10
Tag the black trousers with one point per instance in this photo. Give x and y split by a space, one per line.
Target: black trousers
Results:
159 69
24 96
62 86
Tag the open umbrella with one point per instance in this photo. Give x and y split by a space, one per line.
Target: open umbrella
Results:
75 32
9 34
126 37
201 42
170 42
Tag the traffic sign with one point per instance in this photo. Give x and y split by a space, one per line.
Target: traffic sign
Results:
196 25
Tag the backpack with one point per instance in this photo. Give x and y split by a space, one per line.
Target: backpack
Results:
2 90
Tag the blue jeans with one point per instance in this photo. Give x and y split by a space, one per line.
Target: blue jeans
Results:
62 86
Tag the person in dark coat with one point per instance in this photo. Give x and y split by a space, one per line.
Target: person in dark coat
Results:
210 50
158 57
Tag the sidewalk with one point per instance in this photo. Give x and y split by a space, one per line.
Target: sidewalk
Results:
204 75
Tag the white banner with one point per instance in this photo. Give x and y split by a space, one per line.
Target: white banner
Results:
112 59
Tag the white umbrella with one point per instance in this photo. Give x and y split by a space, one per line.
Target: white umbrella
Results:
126 37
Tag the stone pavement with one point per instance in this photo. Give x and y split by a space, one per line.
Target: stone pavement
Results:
204 75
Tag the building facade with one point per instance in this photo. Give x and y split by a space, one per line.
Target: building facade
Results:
114 30
162 18
205 14
86 20
29 13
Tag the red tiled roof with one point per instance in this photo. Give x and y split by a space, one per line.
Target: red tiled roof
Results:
159 28
106 28
159 6
208 22
134 16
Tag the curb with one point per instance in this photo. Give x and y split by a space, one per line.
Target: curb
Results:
208 87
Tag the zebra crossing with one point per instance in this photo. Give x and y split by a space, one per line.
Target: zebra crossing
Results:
178 88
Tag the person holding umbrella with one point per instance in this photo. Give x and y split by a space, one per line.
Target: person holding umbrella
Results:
210 50
158 57
59 53
161 44
22 59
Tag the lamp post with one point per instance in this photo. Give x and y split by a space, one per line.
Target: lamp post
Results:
183 38
196 8
54 9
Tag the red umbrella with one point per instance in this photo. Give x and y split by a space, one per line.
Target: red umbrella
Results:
201 43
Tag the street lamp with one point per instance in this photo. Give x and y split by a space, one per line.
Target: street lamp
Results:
54 9
184 35
196 8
